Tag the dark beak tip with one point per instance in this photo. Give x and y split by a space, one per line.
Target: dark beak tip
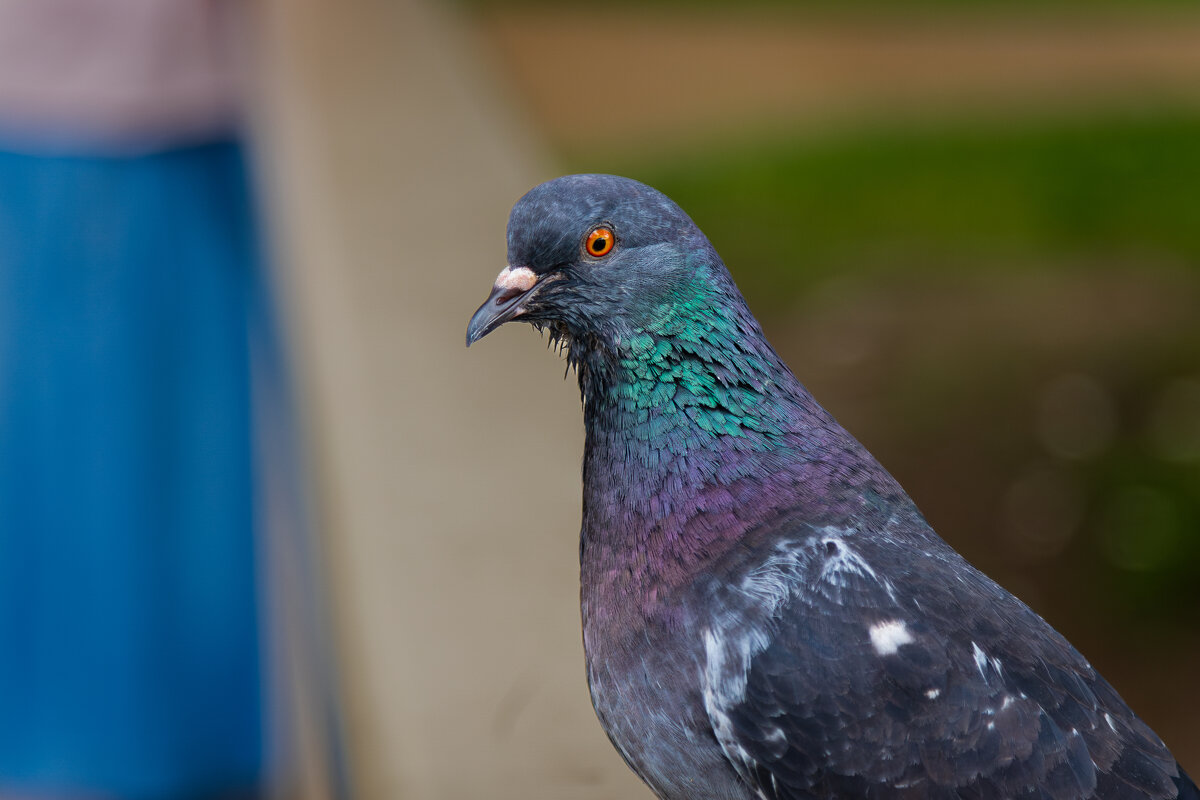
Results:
476 328
501 306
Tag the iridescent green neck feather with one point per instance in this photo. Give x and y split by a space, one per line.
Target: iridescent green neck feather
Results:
692 370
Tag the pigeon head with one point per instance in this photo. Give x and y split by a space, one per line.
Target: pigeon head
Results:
595 259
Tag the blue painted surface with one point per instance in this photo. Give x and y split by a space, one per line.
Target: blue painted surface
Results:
129 637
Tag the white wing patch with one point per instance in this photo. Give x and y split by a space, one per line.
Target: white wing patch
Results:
982 662
888 637
822 568
727 663
843 564
842 561
836 567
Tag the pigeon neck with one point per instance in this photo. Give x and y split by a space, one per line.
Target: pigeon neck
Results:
682 415
692 379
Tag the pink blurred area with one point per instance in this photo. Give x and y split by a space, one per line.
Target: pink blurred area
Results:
120 74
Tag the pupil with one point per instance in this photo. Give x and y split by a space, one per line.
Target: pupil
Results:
599 243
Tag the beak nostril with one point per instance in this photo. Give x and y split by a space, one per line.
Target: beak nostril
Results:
506 295
503 304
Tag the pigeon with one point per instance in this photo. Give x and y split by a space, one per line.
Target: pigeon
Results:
766 613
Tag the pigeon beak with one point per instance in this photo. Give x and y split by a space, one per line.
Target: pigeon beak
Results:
513 285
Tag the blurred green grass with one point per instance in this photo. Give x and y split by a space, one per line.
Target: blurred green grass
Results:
787 211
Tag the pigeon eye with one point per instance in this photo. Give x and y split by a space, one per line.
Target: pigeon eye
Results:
599 242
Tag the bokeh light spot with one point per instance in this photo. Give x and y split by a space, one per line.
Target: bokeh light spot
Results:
1076 417
1173 428
1140 528
1041 511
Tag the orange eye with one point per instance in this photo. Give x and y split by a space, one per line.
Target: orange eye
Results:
600 242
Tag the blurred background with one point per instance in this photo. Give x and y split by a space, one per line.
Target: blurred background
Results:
968 225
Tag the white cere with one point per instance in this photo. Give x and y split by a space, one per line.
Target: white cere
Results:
521 278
